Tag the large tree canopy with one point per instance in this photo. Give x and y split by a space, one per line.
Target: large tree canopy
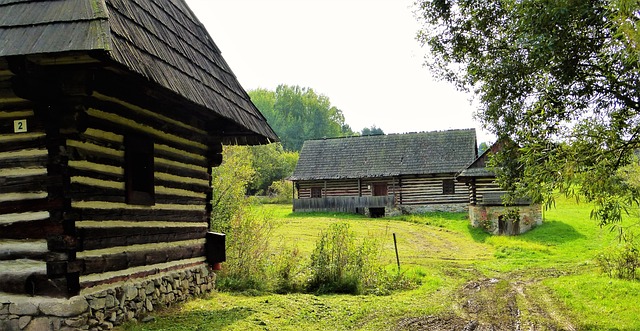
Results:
297 114
559 78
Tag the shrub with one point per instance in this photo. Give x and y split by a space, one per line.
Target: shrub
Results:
280 191
341 265
248 236
288 271
622 262
229 182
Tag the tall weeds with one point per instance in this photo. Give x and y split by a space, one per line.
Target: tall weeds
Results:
248 237
340 264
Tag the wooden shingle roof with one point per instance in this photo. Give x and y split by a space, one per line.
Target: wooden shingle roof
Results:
479 167
160 40
424 153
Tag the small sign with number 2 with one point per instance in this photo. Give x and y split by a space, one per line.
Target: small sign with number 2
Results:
19 126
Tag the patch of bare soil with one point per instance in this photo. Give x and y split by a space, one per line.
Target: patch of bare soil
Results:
493 305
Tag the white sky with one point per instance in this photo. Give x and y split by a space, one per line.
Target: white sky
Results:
361 54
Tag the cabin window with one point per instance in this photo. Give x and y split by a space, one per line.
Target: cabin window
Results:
139 170
316 192
448 186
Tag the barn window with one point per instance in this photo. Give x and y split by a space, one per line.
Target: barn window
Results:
448 186
316 192
139 170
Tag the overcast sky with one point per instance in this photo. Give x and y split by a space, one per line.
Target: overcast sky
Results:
361 54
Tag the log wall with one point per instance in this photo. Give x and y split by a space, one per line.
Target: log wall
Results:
28 214
480 187
406 190
119 239
346 187
65 224
427 190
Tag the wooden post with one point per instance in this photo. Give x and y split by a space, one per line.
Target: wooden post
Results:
395 245
400 186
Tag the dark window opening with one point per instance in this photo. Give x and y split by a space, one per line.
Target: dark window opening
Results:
316 192
448 186
139 170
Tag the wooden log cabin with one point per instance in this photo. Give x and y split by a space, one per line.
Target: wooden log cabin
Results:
112 113
486 206
376 175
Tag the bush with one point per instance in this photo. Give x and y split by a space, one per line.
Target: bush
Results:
280 191
229 182
248 235
288 271
622 262
340 265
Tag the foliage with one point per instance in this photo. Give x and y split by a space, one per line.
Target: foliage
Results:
559 78
288 270
623 261
372 131
271 163
229 182
280 192
552 265
483 147
297 114
248 235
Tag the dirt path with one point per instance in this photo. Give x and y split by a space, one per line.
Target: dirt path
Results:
492 304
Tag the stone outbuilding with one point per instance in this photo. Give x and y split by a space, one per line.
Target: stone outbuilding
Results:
486 206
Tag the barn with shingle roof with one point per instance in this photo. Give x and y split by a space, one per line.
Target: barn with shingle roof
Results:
412 171
112 113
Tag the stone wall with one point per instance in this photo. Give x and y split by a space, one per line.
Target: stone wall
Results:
487 217
107 306
444 207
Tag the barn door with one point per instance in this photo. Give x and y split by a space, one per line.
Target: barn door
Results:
379 189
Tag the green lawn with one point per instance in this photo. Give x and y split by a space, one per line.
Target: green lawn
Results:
548 274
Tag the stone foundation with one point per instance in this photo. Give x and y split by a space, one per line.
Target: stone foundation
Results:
494 219
104 307
445 207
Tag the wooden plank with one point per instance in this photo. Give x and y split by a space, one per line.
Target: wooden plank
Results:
99 238
28 184
33 125
82 192
25 206
131 259
16 145
23 249
143 215
37 229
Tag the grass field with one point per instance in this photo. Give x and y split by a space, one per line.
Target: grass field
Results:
543 280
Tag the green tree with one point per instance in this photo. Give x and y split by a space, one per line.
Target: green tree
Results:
372 131
230 181
560 78
483 147
271 163
297 114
